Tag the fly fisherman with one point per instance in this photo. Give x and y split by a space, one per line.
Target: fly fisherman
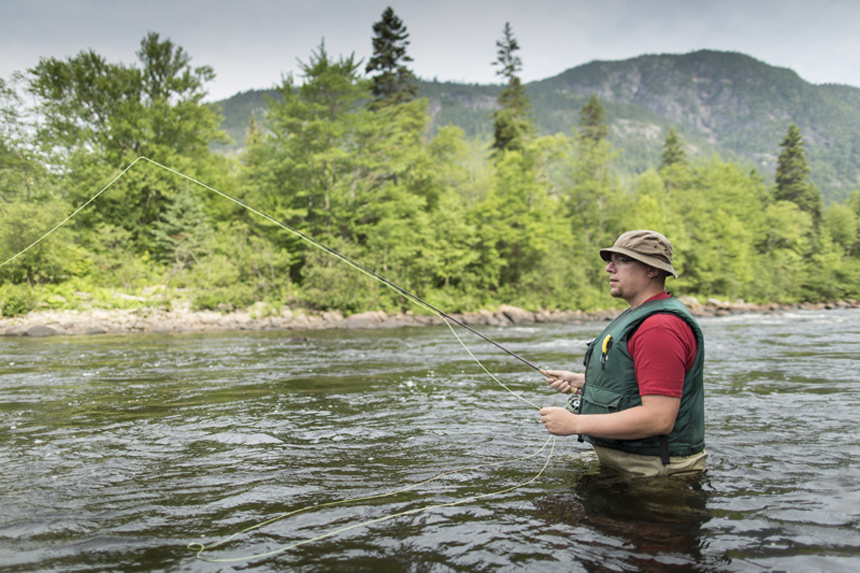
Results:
642 403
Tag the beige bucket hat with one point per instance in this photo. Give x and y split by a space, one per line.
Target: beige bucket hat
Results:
649 247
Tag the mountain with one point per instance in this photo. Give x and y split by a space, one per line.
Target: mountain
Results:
719 102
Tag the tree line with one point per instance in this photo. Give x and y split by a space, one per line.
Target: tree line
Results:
345 156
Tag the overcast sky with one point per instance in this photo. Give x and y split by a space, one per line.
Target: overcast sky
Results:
252 43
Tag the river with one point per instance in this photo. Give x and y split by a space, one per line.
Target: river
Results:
117 452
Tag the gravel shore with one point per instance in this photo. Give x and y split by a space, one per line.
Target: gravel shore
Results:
182 319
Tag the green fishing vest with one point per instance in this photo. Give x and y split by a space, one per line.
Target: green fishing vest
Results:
610 383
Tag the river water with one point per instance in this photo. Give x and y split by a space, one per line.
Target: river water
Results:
117 452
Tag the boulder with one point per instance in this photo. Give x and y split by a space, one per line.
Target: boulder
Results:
517 315
40 330
690 302
363 320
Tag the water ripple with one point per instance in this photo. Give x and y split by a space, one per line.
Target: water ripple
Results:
116 452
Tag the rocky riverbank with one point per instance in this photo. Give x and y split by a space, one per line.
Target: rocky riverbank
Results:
180 318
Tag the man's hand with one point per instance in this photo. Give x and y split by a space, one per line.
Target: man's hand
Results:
558 421
655 417
564 381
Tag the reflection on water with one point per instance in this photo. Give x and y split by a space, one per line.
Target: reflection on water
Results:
659 521
116 452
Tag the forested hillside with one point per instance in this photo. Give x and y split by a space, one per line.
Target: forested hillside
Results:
468 196
719 102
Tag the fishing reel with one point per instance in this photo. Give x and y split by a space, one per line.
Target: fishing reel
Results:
573 402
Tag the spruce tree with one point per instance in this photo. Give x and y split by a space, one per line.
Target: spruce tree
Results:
593 150
673 152
792 176
594 195
395 83
592 122
512 124
182 235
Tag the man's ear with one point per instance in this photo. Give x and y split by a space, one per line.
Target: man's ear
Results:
654 273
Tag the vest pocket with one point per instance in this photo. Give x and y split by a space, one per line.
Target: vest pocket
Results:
596 400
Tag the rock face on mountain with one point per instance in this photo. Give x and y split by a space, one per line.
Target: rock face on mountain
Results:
719 102
738 104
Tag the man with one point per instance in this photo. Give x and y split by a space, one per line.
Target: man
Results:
642 403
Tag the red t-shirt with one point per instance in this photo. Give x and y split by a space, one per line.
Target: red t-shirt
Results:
663 350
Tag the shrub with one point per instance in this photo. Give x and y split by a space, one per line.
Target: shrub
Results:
17 299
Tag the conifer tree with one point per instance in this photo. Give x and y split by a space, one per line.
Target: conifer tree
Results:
304 159
592 143
792 176
182 235
255 132
675 169
673 152
395 83
592 122
513 123
593 198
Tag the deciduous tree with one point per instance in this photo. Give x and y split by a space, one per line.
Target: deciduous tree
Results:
23 175
101 116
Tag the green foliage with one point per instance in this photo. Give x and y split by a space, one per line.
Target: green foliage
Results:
115 263
792 176
445 212
395 83
842 225
594 200
452 256
718 221
592 122
47 261
513 123
787 227
23 176
722 103
16 299
673 152
329 283
239 268
304 170
101 116
182 235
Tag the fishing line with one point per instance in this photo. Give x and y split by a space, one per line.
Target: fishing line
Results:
447 319
200 548
363 269
70 217
356 265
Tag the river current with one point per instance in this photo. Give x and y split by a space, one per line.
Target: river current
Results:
117 452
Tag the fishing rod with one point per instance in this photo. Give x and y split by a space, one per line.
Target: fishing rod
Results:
401 290
199 548
416 298
351 262
290 228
